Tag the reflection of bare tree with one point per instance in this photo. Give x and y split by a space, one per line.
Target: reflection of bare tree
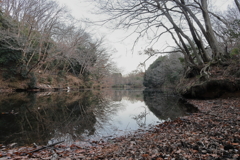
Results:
109 107
40 118
141 118
104 112
56 115
72 115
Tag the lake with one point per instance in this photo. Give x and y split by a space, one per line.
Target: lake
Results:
45 117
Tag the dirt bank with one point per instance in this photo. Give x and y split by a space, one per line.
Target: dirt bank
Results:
212 81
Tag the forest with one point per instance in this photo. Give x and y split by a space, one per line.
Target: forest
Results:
43 47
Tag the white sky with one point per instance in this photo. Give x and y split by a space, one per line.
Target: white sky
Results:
123 56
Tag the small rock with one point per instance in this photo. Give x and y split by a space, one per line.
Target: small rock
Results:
204 151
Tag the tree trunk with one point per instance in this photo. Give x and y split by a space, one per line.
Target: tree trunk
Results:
237 4
188 59
178 30
208 33
195 37
209 30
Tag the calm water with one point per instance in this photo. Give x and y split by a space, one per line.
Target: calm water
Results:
39 118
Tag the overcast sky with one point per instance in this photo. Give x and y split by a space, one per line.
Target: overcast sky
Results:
126 59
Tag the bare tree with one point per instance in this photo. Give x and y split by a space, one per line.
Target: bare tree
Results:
189 23
35 21
226 26
81 53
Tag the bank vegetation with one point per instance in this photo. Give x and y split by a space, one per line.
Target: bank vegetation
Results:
43 47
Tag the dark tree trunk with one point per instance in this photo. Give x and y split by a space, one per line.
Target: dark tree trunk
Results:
211 36
194 35
208 33
237 4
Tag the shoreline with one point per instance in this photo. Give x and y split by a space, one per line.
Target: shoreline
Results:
212 133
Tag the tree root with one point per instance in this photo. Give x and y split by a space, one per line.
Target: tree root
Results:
192 72
205 71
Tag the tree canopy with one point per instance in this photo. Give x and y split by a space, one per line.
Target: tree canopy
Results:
191 24
164 72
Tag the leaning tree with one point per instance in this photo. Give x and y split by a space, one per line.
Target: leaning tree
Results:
189 23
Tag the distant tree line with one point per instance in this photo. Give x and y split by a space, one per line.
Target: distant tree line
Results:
131 80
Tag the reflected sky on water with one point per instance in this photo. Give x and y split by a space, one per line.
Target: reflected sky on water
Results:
131 115
28 118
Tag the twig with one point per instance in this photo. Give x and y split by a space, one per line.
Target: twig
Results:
44 147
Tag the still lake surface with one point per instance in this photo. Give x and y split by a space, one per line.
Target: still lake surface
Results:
43 117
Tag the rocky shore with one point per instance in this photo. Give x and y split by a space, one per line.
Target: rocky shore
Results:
213 133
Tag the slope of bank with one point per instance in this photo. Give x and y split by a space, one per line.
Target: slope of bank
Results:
46 82
212 133
212 81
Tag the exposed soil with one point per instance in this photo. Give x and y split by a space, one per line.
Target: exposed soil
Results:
217 80
212 133
46 82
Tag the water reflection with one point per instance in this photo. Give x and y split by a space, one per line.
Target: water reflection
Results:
28 118
166 106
